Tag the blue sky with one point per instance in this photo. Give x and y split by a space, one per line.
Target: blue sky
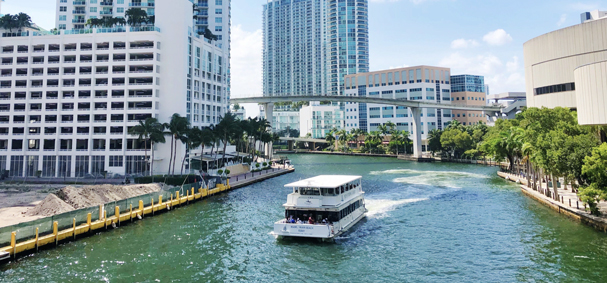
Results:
470 37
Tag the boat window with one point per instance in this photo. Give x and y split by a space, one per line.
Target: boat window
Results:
323 191
309 191
331 192
296 190
342 189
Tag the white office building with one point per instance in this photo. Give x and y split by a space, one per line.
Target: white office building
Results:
421 83
318 120
67 100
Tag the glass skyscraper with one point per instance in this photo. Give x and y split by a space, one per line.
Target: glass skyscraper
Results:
309 45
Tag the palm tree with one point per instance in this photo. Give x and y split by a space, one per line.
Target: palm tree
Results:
226 129
156 136
8 22
342 136
176 128
23 21
136 16
330 138
144 130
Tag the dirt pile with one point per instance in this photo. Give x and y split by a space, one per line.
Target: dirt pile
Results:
50 206
88 196
71 198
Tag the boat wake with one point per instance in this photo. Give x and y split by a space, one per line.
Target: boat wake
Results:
379 208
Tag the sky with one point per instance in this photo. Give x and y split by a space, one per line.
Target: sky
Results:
477 37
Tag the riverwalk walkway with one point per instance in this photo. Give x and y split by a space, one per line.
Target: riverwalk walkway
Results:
568 202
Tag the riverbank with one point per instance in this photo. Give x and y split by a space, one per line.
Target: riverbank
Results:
569 204
123 215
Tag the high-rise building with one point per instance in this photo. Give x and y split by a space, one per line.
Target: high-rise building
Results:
309 45
318 120
68 99
212 14
468 90
420 83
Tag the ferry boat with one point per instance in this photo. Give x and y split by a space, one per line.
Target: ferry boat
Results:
322 207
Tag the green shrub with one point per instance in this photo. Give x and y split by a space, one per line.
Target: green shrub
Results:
219 172
227 172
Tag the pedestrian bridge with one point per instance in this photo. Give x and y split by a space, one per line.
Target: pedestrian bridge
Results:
415 106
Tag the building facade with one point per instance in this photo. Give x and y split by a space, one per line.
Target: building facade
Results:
69 99
512 102
284 117
318 120
563 68
468 90
309 45
421 83
73 15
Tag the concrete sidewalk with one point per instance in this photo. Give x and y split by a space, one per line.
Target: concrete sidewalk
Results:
568 202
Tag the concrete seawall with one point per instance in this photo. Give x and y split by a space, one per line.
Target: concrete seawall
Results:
567 205
116 217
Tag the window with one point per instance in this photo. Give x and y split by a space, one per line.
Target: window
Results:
218 2
62 8
61 26
120 2
219 20
218 11
93 1
93 9
62 18
120 10
116 161
218 28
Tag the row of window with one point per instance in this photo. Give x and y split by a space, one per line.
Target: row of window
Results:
74 144
61 166
555 88
85 46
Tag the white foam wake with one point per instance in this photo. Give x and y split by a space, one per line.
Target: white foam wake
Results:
432 173
378 208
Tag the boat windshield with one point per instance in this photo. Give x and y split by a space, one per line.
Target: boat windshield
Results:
309 191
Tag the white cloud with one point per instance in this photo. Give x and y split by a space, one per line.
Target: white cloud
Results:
512 66
246 66
562 20
497 37
463 43
499 76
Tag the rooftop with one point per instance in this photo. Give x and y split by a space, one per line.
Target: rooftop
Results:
325 181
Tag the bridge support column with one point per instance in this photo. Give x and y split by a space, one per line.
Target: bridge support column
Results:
417 132
290 143
269 113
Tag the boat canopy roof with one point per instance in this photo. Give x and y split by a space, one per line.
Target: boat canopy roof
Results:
324 181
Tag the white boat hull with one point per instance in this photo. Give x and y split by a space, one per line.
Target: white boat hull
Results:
318 231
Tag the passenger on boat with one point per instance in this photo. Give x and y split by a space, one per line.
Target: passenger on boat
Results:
310 220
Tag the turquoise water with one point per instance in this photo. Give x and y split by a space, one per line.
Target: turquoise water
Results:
426 223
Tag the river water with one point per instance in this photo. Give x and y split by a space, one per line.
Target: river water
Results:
426 223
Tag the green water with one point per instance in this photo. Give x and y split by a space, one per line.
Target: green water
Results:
426 223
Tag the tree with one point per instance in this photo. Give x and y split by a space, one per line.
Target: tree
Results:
434 142
208 34
136 16
330 138
176 127
226 129
9 22
23 21
456 141
595 168
144 130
